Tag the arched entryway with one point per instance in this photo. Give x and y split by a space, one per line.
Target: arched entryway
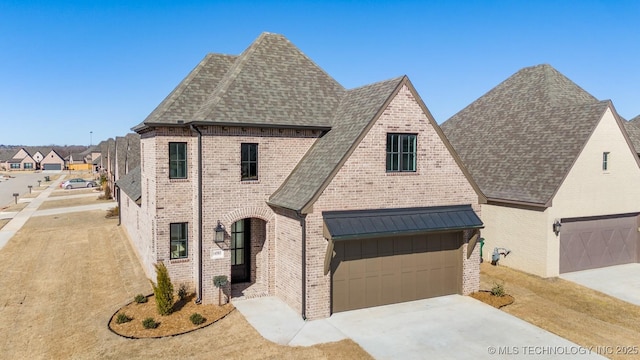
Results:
249 259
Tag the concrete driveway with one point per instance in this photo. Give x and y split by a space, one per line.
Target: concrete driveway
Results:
448 327
621 281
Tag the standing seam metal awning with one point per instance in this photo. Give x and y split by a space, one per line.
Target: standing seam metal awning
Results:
358 224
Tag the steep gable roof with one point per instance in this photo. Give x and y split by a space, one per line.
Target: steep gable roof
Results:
130 184
286 89
633 129
358 108
183 102
521 138
53 152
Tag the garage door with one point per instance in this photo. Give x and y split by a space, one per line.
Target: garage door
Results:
372 272
52 167
598 242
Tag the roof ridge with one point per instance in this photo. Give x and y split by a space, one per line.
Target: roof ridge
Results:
228 78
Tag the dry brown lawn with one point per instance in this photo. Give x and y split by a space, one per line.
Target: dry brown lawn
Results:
584 316
14 207
61 284
4 222
64 192
53 204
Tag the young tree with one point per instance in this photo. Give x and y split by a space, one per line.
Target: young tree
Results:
163 290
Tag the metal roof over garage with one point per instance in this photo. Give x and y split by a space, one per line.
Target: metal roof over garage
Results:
358 224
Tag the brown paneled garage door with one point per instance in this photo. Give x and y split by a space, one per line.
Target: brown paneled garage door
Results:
598 242
372 272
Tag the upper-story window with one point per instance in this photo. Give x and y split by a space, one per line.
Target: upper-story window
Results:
249 161
177 160
606 158
401 152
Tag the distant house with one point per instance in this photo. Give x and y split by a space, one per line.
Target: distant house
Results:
22 160
263 168
79 161
52 161
559 172
38 158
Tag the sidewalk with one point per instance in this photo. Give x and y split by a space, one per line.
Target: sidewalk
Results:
7 232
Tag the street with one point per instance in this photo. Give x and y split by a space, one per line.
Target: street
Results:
18 184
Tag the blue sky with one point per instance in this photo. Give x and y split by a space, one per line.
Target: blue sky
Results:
74 72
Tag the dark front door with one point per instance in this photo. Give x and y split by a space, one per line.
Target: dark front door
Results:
240 246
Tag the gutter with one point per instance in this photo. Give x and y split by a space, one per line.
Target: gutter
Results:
199 298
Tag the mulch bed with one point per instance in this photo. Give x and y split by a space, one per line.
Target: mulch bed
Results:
495 301
176 323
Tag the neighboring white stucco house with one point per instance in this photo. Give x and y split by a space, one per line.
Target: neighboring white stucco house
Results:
546 152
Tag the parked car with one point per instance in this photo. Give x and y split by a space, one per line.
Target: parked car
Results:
78 183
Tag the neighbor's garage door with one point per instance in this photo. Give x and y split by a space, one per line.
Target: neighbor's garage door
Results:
589 244
52 167
374 272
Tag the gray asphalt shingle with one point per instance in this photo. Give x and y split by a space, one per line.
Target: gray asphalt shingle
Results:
521 138
130 184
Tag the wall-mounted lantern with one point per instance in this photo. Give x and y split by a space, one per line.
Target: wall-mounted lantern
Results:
556 227
219 235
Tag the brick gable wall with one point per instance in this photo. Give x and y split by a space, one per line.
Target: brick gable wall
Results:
363 183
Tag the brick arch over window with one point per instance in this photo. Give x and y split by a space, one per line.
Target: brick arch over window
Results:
260 212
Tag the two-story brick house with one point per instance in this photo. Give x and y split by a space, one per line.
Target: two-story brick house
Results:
330 199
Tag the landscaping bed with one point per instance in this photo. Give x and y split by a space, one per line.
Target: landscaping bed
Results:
176 323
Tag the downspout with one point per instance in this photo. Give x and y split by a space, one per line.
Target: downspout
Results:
119 205
303 224
199 298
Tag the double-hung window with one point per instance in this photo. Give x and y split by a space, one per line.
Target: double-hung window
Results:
249 161
401 152
177 160
179 240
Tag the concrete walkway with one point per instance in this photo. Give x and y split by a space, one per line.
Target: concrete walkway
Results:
620 281
447 327
19 218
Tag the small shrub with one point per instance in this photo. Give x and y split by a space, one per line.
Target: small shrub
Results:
149 323
197 319
497 290
182 291
140 299
163 290
113 212
123 318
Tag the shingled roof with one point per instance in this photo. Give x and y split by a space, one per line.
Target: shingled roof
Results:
633 129
286 88
130 184
521 138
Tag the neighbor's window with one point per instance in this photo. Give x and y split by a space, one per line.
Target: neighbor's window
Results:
249 161
605 161
177 160
28 165
15 166
179 241
401 152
